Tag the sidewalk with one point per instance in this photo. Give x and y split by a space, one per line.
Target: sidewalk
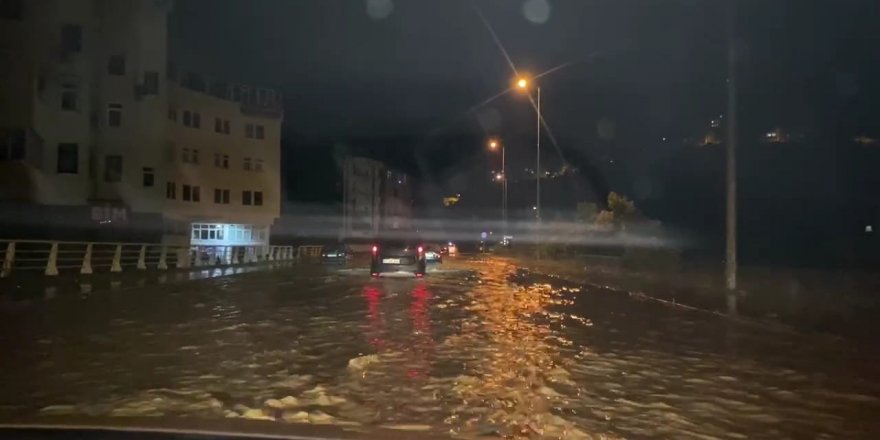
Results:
844 303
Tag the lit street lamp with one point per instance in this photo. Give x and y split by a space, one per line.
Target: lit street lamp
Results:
523 85
501 177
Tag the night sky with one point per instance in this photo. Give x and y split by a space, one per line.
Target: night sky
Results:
635 71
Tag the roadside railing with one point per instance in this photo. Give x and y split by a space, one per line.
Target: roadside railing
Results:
53 257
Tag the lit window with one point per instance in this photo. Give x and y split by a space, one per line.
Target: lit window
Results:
68 158
149 177
114 115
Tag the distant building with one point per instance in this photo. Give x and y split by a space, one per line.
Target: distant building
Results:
375 198
100 138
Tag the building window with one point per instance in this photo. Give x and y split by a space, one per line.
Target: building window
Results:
172 114
258 198
149 177
71 38
225 196
218 125
184 155
195 156
196 197
187 193
218 195
187 118
246 198
258 164
11 9
151 83
12 148
226 129
116 65
69 97
260 132
114 115
170 190
196 120
112 168
246 165
249 131
226 161
68 158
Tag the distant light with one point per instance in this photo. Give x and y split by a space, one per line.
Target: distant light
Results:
534 208
869 228
499 176
522 83
664 138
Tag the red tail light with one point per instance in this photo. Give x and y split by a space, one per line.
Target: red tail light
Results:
375 250
421 249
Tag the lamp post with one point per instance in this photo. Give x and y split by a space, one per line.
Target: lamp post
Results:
494 144
523 85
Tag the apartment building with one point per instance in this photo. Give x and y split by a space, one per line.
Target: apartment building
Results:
376 198
100 137
224 183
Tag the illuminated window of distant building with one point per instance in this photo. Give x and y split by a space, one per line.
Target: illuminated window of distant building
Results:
116 65
68 158
114 115
149 177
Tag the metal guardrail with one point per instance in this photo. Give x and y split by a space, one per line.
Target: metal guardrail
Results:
51 257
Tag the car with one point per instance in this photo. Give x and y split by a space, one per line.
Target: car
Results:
452 249
335 254
432 256
389 257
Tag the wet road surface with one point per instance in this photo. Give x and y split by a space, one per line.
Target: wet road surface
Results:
476 349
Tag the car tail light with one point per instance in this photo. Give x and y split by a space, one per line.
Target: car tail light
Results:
421 250
375 249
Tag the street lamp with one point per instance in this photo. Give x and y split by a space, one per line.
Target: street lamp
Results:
501 177
523 85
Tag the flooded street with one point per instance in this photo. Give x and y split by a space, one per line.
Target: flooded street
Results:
478 348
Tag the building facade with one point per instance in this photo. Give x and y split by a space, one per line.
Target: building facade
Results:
375 199
97 131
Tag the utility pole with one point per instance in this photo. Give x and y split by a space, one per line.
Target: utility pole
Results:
730 266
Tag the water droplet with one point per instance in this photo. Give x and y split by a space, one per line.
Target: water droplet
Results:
536 11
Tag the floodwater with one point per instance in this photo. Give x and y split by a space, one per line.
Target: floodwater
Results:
479 349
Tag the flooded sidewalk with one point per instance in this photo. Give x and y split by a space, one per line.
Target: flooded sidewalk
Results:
478 348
